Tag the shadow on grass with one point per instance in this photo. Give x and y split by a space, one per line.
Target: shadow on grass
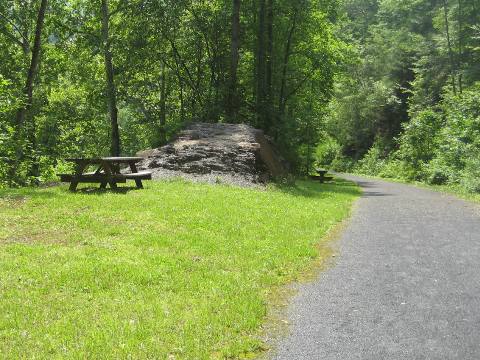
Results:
97 191
14 194
19 195
315 189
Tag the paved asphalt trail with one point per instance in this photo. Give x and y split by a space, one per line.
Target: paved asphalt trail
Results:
405 283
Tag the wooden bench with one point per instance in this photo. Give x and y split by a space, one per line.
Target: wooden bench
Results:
322 176
108 172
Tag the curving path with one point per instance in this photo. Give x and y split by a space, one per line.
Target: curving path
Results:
405 283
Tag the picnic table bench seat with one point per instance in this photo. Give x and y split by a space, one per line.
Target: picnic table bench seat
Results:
143 175
108 172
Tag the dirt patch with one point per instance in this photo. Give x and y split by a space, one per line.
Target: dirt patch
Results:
12 200
36 237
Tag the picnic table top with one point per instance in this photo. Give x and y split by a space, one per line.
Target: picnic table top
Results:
113 159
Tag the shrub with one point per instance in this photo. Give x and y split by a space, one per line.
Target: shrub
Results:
470 178
372 163
342 163
326 151
397 169
438 172
419 141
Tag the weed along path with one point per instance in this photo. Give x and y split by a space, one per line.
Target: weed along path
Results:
405 283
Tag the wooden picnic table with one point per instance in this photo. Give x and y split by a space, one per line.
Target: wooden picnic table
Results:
108 172
322 175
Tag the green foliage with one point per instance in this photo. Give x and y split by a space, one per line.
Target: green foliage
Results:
419 140
372 163
326 151
438 172
438 147
342 163
459 146
8 103
410 111
355 119
470 179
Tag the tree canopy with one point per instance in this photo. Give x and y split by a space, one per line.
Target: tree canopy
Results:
406 106
82 78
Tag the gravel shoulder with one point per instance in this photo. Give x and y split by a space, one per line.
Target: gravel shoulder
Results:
405 283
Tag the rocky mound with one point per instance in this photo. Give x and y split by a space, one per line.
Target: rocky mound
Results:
231 153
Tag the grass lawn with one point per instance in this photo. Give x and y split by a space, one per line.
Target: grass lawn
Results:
174 271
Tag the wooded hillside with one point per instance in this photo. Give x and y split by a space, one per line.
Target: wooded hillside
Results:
407 106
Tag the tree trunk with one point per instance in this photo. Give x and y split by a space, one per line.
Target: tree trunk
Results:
111 90
28 95
269 68
260 101
182 105
32 71
460 46
254 10
232 101
286 58
163 107
449 45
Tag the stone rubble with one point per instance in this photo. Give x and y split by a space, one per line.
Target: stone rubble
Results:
216 153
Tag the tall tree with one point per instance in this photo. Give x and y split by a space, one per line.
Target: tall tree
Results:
110 80
282 96
232 102
449 46
261 65
24 109
163 106
269 110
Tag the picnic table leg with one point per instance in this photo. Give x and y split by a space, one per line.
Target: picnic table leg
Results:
103 184
138 182
73 185
78 172
109 170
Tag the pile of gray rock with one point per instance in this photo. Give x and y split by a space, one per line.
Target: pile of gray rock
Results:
227 153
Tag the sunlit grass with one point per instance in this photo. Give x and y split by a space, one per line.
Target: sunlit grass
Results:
177 270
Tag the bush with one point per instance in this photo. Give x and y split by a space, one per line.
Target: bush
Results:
372 163
394 168
470 178
457 157
342 163
438 146
8 104
419 142
438 172
326 151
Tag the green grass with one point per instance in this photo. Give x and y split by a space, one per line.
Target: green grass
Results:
452 189
456 190
174 271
